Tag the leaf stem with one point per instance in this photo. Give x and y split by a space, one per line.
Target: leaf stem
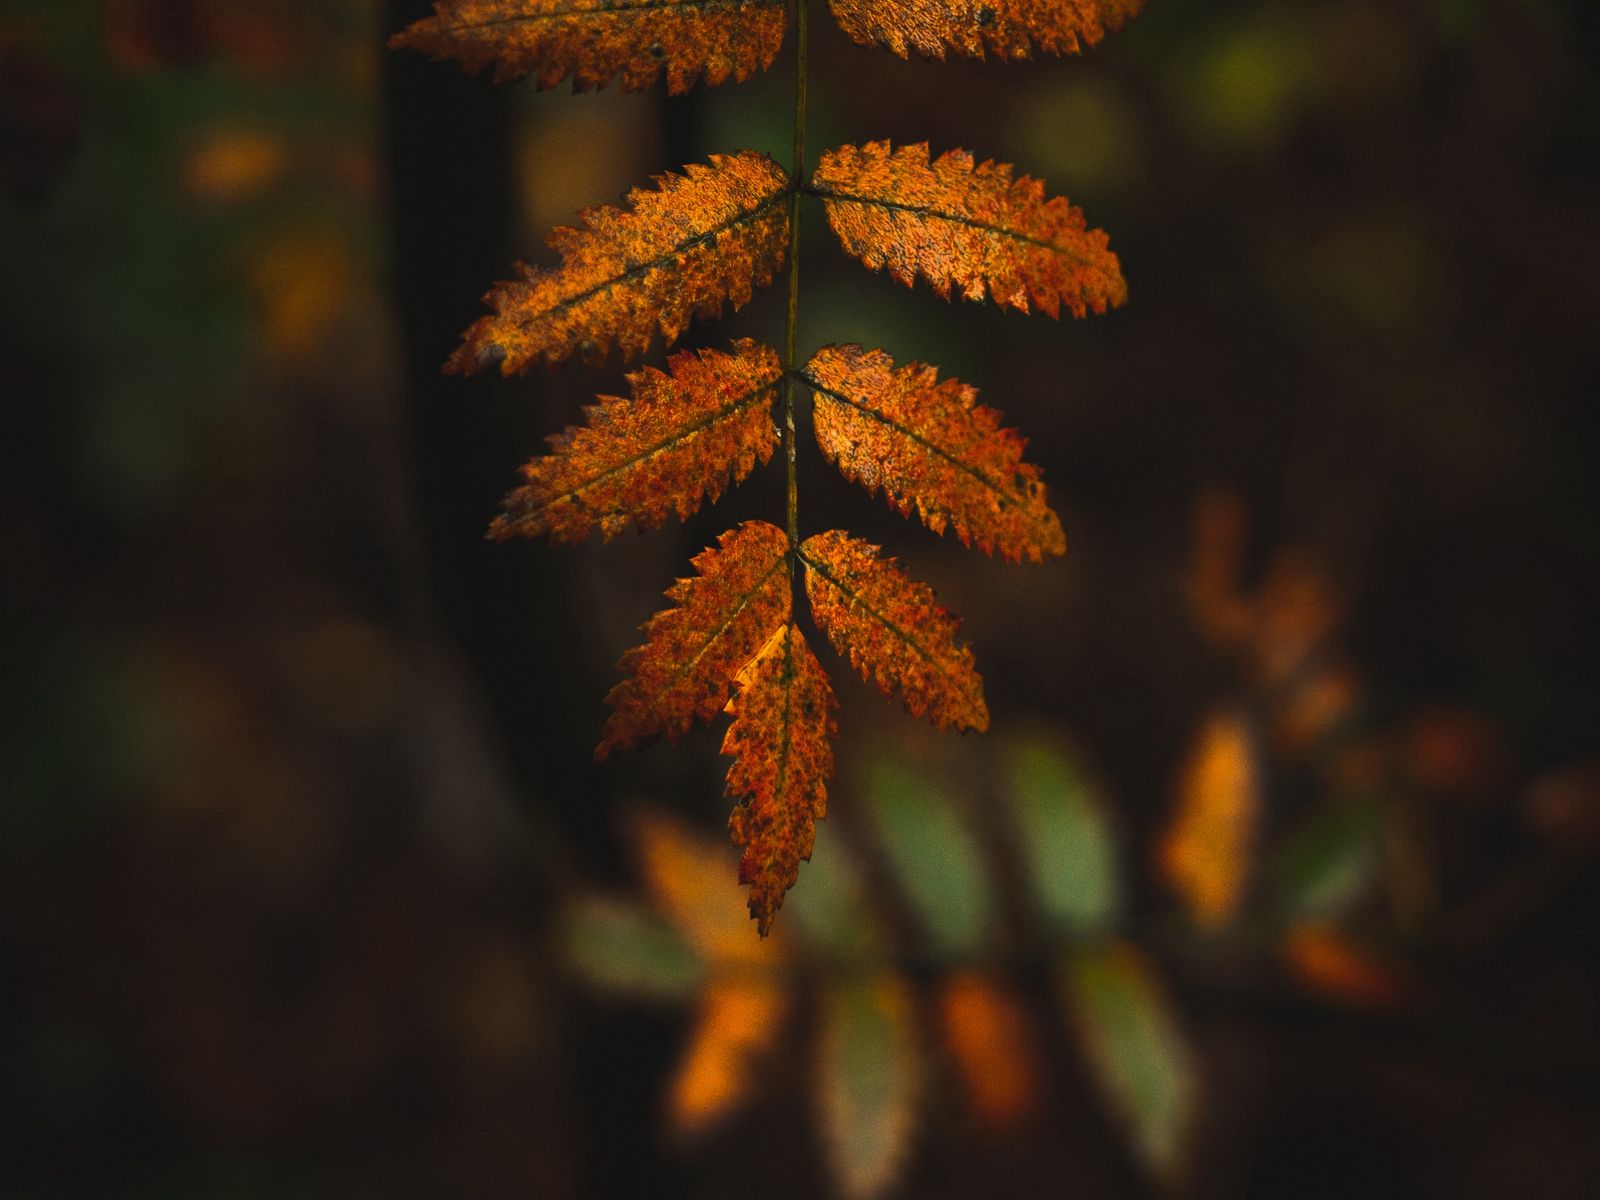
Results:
792 320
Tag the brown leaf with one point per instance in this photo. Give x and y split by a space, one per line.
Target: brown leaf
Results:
892 631
686 432
965 225
711 235
782 720
693 652
596 41
1004 28
931 446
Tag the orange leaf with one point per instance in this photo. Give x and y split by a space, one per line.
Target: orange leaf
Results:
710 235
968 226
986 1032
1205 853
1325 960
892 630
738 1020
1003 28
685 433
782 719
692 652
687 877
933 446
596 41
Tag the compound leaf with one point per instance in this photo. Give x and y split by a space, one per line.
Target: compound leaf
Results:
931 446
891 629
686 432
692 652
969 226
596 41
1010 29
710 235
782 720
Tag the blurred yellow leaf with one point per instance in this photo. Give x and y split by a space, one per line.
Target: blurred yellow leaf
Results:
692 880
987 1035
868 1079
736 1021
1205 854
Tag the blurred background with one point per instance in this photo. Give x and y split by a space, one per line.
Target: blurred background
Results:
1276 876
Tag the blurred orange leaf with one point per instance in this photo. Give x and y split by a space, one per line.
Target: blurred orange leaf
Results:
736 1020
1327 962
233 164
966 225
986 1033
689 878
1205 854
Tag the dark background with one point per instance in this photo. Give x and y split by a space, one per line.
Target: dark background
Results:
295 766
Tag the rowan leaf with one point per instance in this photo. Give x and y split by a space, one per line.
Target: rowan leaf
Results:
1010 29
620 948
711 235
782 720
683 436
596 41
966 225
891 629
737 1020
931 446
692 652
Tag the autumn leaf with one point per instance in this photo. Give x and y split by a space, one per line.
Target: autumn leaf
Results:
1205 854
737 1020
686 432
1004 28
596 41
892 631
711 235
986 1032
692 652
931 446
782 720
966 225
